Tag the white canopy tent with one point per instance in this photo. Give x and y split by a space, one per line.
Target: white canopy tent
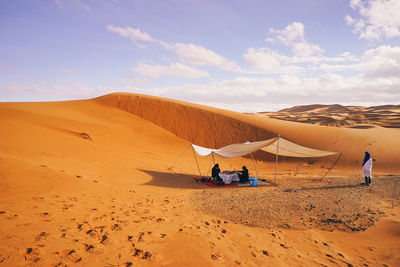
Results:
277 145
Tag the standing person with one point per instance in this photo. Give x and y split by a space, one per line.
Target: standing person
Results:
367 166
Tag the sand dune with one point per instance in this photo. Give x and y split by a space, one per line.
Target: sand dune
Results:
337 115
109 181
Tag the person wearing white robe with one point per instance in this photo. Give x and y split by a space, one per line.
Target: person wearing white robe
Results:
367 167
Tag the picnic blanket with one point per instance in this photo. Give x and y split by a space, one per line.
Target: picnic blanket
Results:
213 185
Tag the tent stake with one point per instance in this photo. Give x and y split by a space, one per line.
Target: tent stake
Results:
276 159
254 165
194 154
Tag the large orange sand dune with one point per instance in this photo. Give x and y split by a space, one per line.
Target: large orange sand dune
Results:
108 181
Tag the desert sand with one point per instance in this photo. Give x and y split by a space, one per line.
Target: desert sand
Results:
109 182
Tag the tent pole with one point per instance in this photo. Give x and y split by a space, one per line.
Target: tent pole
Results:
254 165
194 154
276 159
212 154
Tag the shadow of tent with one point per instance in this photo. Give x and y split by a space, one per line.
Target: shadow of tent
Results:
331 187
173 180
180 180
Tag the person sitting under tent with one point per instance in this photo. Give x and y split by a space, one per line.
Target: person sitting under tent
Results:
244 175
215 174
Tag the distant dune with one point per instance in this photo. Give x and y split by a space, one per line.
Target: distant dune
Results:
337 115
109 182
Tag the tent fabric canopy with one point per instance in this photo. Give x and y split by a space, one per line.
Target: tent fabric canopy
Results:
285 148
290 149
234 150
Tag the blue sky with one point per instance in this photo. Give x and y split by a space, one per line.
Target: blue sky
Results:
239 55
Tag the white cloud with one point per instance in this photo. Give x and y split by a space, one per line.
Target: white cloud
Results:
349 20
293 36
174 70
191 54
381 62
376 19
135 35
198 55
269 61
306 56
374 80
290 34
285 90
306 49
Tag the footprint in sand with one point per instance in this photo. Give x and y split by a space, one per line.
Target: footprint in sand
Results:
67 207
284 246
90 249
31 255
104 239
116 227
41 236
69 255
213 257
91 232
79 227
140 237
145 255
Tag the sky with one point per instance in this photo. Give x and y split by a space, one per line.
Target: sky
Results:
246 56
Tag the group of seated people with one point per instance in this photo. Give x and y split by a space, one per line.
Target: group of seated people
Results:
243 174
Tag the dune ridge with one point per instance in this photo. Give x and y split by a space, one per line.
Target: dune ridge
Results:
194 123
212 127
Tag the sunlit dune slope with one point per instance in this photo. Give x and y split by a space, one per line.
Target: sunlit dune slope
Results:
45 144
213 127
